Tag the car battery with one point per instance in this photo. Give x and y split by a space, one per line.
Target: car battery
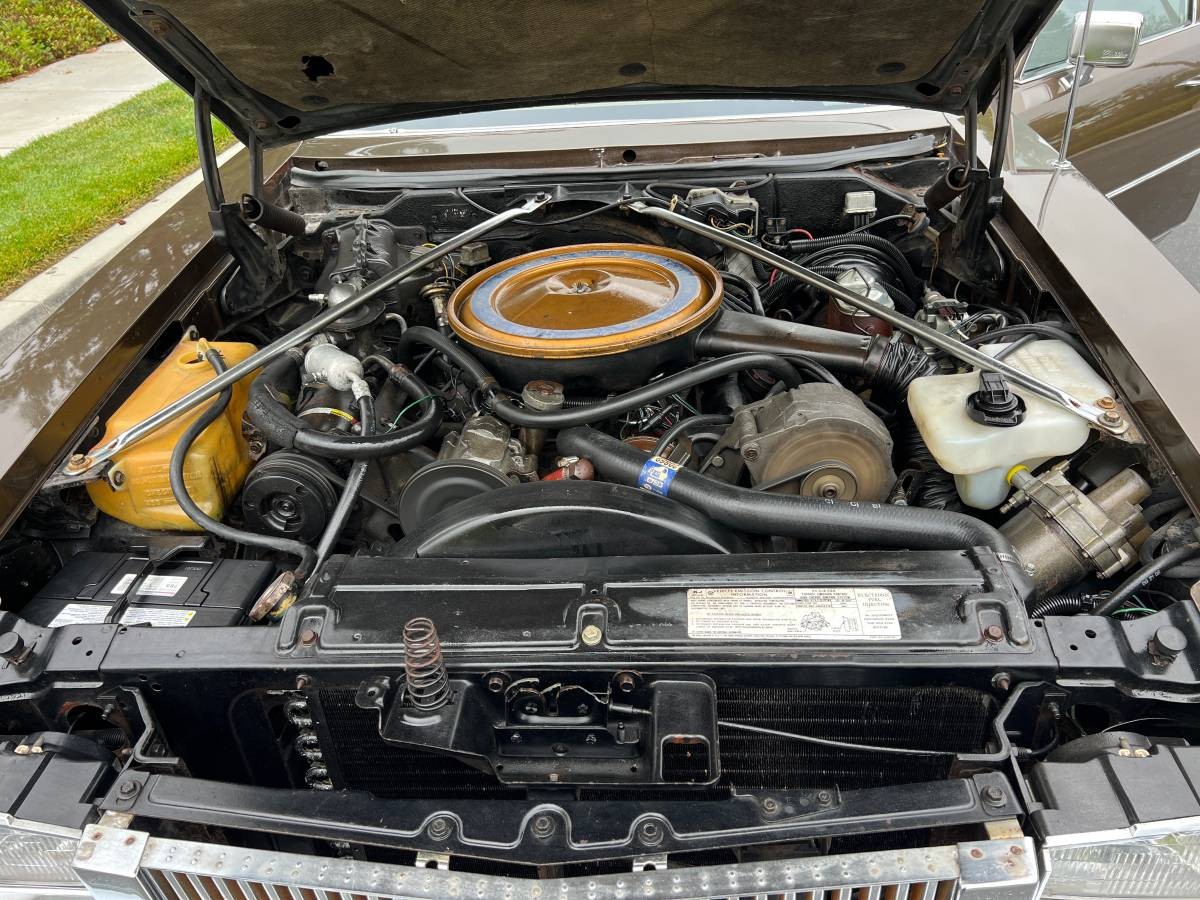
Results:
98 587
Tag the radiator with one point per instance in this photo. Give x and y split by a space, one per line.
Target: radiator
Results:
932 718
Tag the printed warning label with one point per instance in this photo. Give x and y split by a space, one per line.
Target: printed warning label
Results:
162 585
124 583
79 614
792 613
161 618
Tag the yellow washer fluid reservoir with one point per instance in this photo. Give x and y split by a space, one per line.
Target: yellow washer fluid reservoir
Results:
137 489
980 456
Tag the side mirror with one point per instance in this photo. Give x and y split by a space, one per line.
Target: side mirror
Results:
1112 39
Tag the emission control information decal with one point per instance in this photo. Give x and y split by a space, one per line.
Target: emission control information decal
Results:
792 613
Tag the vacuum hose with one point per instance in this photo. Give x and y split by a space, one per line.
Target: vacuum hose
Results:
807 518
354 483
505 409
200 517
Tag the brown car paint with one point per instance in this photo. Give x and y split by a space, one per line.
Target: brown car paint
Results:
55 384
1132 306
1129 124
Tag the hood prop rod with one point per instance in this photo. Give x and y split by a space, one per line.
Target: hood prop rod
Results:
1111 421
82 463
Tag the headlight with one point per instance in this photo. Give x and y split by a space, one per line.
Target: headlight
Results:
35 859
1160 867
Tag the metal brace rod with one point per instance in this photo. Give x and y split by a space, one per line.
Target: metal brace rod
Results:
1110 421
83 463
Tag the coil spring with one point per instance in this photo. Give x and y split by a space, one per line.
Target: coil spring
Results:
307 744
428 685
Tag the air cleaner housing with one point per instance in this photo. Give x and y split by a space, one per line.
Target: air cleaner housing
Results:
565 312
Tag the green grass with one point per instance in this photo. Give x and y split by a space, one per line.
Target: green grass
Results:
62 189
36 32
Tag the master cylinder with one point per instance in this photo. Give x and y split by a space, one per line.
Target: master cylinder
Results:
136 489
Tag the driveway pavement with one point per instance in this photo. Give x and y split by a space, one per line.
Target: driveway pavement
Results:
70 91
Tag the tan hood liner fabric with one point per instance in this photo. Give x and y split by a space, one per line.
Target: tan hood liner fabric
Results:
386 51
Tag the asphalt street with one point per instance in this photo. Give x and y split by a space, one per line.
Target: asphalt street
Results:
1181 245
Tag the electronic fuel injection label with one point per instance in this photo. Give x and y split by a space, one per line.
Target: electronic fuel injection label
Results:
783 613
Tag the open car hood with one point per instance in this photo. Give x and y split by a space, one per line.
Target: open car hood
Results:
288 69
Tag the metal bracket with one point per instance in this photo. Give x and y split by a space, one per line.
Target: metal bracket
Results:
430 859
1110 421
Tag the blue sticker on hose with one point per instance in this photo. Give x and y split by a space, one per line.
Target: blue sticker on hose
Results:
657 474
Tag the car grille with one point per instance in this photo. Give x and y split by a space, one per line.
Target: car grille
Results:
119 861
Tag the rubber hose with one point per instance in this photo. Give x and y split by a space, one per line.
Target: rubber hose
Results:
899 366
1144 576
259 212
505 409
269 415
423 336
1155 511
808 518
750 290
1042 329
1060 605
933 487
701 421
354 483
200 517
785 284
1181 522
1149 549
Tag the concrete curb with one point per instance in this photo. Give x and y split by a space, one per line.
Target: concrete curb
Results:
22 311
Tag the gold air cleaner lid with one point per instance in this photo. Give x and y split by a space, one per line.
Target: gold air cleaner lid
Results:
585 300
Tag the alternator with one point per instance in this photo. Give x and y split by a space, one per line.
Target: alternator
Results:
817 440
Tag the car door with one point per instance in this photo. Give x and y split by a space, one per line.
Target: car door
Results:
1137 130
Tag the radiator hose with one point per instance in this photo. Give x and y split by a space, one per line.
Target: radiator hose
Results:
808 518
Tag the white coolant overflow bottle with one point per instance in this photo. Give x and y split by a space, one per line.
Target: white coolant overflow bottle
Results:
980 454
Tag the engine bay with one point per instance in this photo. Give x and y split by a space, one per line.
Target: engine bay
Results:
605 509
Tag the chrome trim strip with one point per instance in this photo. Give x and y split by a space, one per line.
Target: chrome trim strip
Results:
1153 173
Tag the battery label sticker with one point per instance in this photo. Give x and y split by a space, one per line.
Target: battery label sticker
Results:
657 474
162 618
123 583
79 614
162 585
792 613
